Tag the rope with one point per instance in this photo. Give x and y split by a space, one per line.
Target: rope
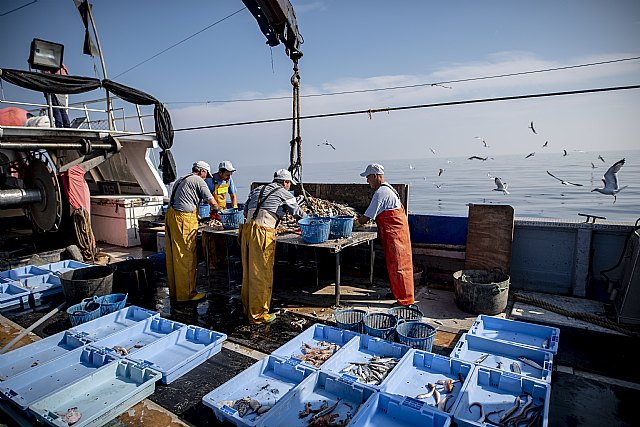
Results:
84 234
295 154
587 317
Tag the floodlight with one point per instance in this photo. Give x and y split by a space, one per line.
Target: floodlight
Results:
46 55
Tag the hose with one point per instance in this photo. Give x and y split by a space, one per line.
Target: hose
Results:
624 251
32 327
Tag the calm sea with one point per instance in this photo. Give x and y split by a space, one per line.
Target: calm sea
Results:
532 192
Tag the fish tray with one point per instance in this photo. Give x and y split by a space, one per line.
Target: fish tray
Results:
398 411
266 381
63 266
497 390
312 336
100 397
139 336
39 382
316 389
22 273
38 353
180 352
104 326
474 349
360 350
513 331
419 368
48 284
11 294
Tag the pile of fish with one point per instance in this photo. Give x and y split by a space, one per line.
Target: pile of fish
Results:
316 356
215 224
318 207
245 406
447 388
514 367
521 412
325 415
373 371
70 417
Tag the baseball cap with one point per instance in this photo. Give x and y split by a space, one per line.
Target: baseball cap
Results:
373 168
203 165
283 174
226 165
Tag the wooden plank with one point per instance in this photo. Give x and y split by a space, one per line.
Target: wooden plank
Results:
490 237
439 253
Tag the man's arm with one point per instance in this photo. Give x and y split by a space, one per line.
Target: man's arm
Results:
234 200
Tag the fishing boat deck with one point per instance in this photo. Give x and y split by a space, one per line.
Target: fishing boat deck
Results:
594 377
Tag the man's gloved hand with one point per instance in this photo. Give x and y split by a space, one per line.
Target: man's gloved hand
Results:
356 224
215 215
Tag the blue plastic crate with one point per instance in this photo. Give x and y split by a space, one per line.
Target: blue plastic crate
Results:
314 229
180 352
139 335
63 266
39 382
99 398
38 353
231 218
497 391
398 411
512 331
12 294
204 210
313 336
340 227
500 355
104 326
318 388
267 381
22 273
362 349
44 285
111 302
419 368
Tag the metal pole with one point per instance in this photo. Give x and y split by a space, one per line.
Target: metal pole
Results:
104 68
19 197
337 279
373 257
55 146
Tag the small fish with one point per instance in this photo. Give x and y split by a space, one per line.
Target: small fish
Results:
529 362
516 368
545 344
71 417
436 396
499 365
482 416
461 377
481 359
448 384
443 403
510 411
432 389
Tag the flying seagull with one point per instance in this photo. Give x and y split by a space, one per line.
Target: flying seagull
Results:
440 171
611 181
546 143
530 155
565 153
593 166
600 157
411 167
438 185
478 158
500 186
483 141
563 181
532 128
432 150
327 143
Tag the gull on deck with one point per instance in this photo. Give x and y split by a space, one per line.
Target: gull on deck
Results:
610 181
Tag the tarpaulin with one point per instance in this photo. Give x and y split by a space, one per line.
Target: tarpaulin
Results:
12 116
76 188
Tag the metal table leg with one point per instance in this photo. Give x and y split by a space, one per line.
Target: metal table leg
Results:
228 248
373 257
205 237
337 279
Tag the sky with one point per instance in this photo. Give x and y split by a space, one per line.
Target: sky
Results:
354 46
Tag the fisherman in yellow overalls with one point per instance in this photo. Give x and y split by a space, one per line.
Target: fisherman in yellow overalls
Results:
220 184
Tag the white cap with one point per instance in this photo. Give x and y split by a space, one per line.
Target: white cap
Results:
374 169
283 174
226 165
203 165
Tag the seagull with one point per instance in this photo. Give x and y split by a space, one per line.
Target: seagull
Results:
565 153
530 155
478 158
611 181
593 166
327 143
600 157
440 171
501 186
545 144
411 167
438 185
483 141
532 128
432 150
563 181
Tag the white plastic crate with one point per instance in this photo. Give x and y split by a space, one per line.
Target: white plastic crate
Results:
64 266
44 285
107 325
12 294
100 397
22 273
397 411
267 381
516 332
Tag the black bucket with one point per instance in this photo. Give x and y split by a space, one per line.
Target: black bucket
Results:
134 277
481 291
88 282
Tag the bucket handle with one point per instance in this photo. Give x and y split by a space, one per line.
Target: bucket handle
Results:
400 321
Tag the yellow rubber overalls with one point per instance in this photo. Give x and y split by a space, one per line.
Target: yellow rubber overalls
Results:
258 248
220 193
217 245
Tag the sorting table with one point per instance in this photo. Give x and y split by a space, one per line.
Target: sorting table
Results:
333 245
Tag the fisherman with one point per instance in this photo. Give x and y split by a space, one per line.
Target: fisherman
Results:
265 206
220 184
181 227
389 214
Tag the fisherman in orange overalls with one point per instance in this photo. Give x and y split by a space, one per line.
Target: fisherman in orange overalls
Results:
389 214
